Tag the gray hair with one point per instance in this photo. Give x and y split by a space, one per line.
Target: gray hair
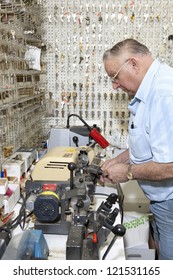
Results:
128 45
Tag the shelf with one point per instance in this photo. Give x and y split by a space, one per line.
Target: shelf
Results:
22 92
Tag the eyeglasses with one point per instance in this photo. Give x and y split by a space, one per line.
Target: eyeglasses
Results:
114 78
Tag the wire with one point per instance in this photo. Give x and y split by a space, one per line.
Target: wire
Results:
122 212
109 247
20 219
17 220
75 115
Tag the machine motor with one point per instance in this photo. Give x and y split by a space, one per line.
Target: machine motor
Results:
47 204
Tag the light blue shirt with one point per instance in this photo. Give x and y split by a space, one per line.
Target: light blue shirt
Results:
151 134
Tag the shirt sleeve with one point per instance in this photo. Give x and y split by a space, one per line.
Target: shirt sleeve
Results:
161 128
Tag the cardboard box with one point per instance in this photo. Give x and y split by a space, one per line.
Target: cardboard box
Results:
1 200
14 168
32 151
10 202
3 185
26 157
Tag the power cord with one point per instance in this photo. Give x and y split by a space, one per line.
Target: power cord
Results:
20 220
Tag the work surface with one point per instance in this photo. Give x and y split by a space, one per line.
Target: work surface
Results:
57 243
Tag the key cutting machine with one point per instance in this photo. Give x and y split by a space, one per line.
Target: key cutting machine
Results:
61 194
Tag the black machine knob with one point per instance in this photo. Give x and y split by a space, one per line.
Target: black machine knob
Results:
76 140
80 203
119 230
71 167
112 198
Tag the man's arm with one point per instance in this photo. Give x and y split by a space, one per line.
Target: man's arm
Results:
151 171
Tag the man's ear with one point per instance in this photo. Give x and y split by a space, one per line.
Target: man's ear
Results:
135 64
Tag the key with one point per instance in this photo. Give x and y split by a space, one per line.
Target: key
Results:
68 96
123 96
74 94
74 86
123 114
63 113
87 86
80 104
74 105
80 86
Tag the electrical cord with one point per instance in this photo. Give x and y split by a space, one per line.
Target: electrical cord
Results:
121 211
20 220
75 115
109 247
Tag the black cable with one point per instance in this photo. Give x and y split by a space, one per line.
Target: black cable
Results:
17 220
20 219
109 247
75 115
22 212
121 211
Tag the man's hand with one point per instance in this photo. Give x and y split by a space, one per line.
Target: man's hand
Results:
114 172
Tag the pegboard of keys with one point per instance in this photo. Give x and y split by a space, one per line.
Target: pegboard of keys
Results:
77 34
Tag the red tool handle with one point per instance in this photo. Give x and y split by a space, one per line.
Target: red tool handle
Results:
95 134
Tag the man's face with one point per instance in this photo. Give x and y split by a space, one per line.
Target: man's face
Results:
122 74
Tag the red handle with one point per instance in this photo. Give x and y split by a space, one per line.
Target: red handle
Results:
95 134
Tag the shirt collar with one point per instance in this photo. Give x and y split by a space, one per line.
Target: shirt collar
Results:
145 86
